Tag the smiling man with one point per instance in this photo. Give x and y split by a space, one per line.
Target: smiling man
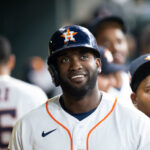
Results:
110 32
74 78
82 118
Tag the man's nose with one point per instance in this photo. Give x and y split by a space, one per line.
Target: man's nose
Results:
75 64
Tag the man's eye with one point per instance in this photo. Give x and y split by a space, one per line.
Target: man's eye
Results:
65 60
148 90
84 57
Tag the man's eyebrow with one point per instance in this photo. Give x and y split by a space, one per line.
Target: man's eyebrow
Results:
147 87
61 54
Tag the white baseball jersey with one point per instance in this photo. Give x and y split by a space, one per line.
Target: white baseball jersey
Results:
16 99
111 126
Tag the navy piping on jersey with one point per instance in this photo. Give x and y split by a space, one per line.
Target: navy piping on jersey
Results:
79 116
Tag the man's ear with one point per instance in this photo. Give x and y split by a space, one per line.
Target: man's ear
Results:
134 99
98 63
11 62
54 75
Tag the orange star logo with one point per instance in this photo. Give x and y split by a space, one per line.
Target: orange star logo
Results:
69 36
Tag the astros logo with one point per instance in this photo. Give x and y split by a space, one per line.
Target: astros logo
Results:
69 36
147 58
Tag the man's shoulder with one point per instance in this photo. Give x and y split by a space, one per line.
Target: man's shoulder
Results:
131 113
123 110
42 109
20 87
54 100
27 89
109 98
23 84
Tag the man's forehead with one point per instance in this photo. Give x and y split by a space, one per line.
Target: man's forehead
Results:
78 50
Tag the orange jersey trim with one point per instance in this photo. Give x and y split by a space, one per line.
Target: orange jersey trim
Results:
60 125
87 141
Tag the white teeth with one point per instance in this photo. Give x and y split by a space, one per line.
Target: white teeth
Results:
77 76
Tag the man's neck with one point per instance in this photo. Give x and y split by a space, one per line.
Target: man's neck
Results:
4 70
84 104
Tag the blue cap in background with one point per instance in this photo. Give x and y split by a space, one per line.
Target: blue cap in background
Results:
139 70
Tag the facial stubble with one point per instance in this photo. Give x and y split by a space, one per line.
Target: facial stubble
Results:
80 92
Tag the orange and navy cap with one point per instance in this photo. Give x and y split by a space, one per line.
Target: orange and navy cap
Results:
73 36
139 69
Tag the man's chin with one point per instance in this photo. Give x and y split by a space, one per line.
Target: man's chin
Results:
77 90
78 85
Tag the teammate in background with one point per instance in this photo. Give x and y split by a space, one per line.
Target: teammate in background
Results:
82 117
140 83
35 72
106 79
16 97
110 33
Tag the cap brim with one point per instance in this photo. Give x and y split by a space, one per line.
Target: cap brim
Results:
112 68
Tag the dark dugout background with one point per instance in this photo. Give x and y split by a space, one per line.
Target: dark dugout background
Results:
28 24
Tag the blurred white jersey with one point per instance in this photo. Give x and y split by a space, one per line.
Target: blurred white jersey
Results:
16 99
124 93
111 126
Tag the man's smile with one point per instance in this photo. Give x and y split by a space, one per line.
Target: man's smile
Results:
78 78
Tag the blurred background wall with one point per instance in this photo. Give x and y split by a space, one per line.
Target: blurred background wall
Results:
28 24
